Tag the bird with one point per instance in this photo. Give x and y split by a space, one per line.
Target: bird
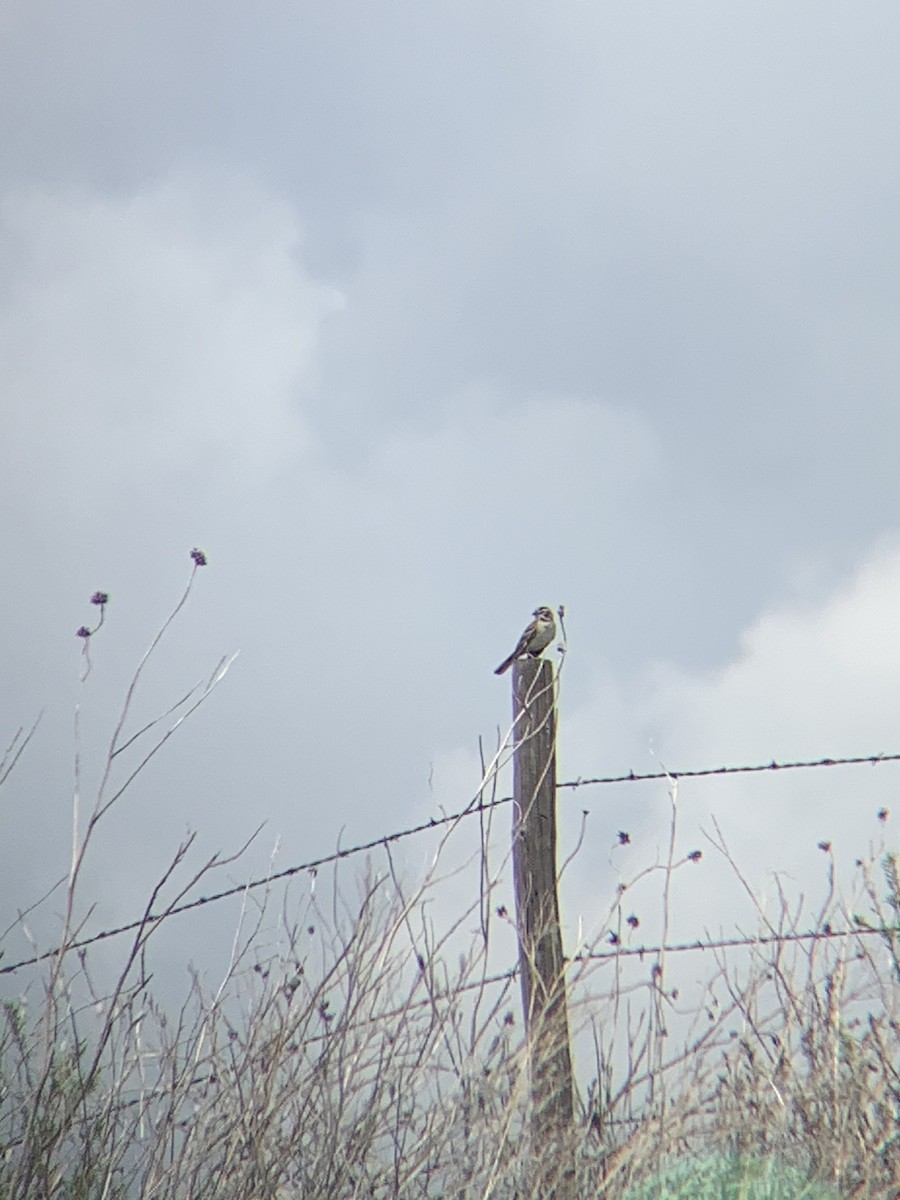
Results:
534 640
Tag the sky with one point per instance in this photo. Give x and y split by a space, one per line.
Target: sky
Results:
414 317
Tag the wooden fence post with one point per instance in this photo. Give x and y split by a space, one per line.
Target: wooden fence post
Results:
541 963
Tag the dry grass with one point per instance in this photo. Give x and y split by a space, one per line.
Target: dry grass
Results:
335 1068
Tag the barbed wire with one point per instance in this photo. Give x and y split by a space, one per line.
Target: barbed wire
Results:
506 977
471 809
241 889
698 773
479 984
745 942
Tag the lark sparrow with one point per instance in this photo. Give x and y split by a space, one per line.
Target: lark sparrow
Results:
535 639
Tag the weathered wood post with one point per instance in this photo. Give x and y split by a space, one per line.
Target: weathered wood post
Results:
541 963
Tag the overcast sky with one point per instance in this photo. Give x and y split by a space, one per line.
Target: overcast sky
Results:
415 316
